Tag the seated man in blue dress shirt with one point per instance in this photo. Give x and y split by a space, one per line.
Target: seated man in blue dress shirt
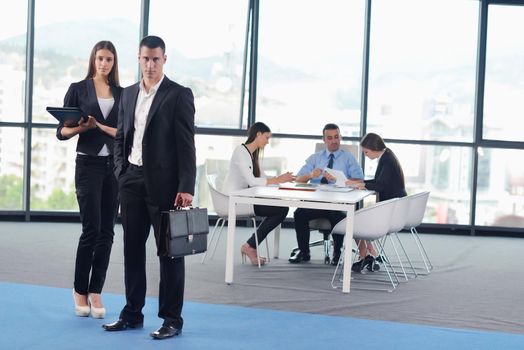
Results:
313 172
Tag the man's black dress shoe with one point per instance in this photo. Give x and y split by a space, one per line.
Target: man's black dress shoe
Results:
370 263
336 258
165 332
122 325
299 257
357 266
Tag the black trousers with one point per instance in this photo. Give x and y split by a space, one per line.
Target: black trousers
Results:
302 217
97 195
273 217
138 214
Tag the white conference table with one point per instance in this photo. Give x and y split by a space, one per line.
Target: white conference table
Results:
273 196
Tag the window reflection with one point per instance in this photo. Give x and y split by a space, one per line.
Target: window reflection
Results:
504 91
205 51
61 58
309 73
12 61
500 194
309 68
214 153
423 77
52 172
444 171
11 168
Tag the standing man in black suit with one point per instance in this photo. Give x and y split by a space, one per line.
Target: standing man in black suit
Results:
156 169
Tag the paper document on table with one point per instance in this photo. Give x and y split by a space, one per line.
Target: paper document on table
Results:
338 175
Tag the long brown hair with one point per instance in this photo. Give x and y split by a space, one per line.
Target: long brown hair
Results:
251 136
113 74
375 143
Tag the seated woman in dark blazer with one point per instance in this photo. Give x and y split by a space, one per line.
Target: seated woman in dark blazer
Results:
388 183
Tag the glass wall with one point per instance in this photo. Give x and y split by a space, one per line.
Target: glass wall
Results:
61 59
214 153
422 69
52 171
310 65
444 171
12 62
205 51
500 190
417 87
504 87
11 168
12 99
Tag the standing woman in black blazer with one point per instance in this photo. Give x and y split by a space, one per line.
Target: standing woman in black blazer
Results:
98 96
388 183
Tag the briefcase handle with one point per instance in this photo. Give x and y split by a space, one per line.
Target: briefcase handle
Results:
179 207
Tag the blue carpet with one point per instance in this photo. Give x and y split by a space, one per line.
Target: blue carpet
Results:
36 317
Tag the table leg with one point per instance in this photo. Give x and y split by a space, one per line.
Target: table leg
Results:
348 242
230 251
276 242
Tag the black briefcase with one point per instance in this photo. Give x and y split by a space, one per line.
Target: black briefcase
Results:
183 232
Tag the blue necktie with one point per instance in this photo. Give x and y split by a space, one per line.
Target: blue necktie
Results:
330 166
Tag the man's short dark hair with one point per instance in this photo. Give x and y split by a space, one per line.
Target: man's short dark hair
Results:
330 126
152 42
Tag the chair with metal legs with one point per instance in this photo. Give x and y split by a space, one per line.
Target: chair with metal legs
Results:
371 223
397 223
221 206
324 227
417 207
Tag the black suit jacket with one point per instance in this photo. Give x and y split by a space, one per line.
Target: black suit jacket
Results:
168 145
83 95
388 178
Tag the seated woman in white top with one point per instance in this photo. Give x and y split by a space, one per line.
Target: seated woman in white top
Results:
244 172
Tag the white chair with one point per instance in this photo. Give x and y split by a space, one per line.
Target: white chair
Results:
221 206
417 207
397 223
372 224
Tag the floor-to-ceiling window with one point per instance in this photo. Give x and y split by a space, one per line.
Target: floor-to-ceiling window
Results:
500 184
205 47
12 100
65 33
422 87
422 84
205 42
310 66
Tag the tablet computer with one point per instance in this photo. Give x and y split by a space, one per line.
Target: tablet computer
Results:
297 186
69 116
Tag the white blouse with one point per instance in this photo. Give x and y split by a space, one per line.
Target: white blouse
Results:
106 105
240 173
